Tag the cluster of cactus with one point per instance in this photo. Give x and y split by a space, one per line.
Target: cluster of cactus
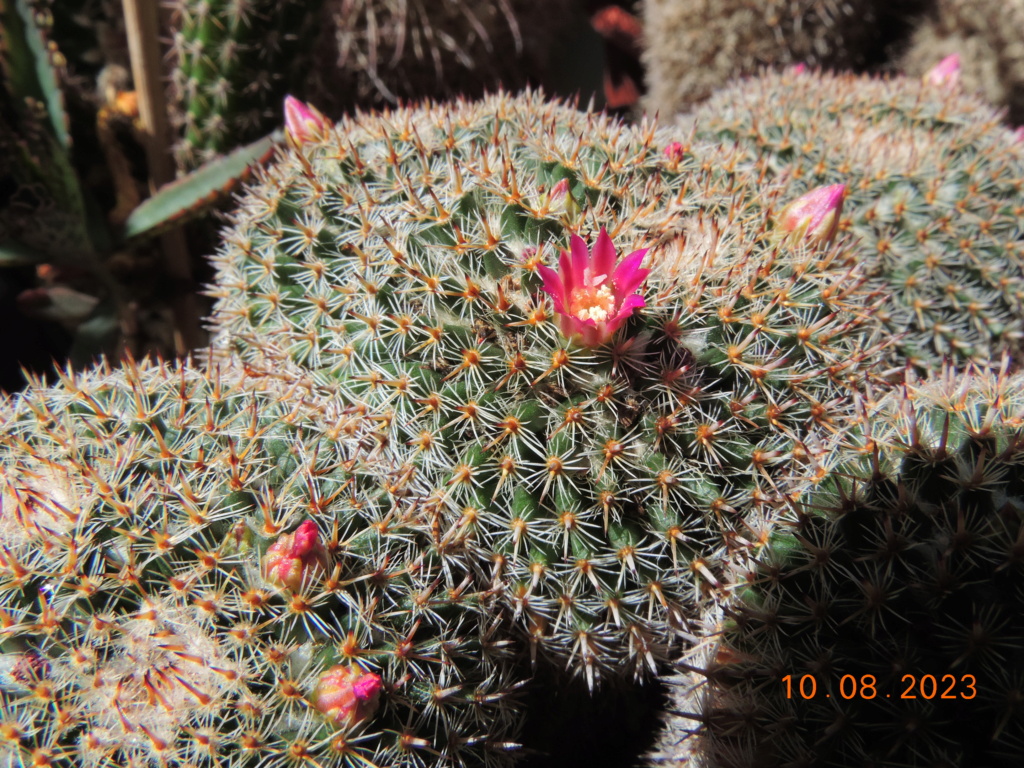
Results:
397 262
160 607
228 70
427 445
935 195
987 35
883 625
694 47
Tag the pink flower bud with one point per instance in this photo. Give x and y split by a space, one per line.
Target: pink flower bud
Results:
561 197
560 190
297 558
348 695
813 217
303 122
675 151
798 69
946 73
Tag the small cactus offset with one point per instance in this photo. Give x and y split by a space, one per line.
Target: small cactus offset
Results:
592 424
934 201
883 625
194 571
227 76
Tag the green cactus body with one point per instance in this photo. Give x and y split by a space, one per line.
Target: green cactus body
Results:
227 80
935 196
149 618
394 265
897 589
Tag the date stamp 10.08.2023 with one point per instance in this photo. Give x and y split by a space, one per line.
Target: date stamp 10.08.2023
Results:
941 687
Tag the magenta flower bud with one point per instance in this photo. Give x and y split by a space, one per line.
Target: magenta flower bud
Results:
560 196
348 695
798 69
297 558
675 151
593 295
560 190
303 122
813 217
946 73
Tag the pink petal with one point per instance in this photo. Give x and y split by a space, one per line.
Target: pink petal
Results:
553 286
595 335
628 275
580 260
567 276
630 303
603 256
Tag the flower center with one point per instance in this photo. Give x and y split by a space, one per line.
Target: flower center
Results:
588 303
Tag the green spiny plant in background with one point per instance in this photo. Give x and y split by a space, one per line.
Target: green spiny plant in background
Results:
48 218
377 52
397 262
694 47
43 206
935 196
893 596
987 36
233 61
195 569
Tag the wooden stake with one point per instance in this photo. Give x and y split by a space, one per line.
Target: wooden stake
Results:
142 25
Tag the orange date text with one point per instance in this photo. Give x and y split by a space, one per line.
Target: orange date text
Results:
963 687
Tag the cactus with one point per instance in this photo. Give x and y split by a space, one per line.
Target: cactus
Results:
590 449
694 47
43 205
896 589
377 52
987 35
935 196
161 608
228 71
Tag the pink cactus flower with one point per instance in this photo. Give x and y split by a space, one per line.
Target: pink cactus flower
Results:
813 217
303 122
297 558
348 695
946 73
592 294
798 69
